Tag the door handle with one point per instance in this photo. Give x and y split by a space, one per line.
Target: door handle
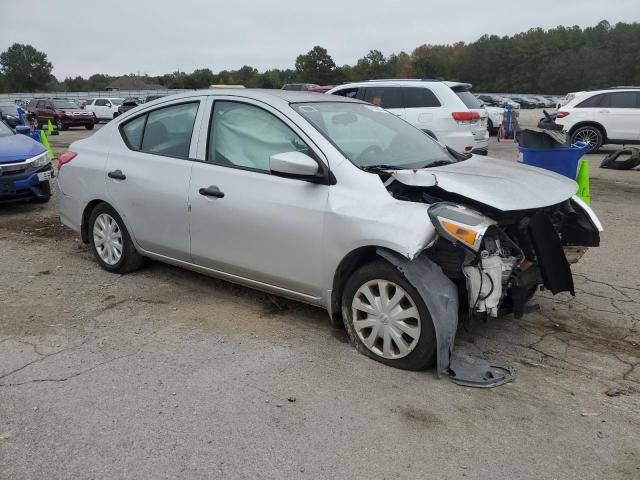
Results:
211 191
117 175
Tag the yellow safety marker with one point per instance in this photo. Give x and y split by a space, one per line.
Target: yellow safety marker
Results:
49 127
583 182
45 142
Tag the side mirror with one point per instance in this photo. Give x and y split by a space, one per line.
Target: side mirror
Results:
294 165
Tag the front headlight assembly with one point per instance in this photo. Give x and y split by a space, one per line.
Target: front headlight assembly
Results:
40 161
460 224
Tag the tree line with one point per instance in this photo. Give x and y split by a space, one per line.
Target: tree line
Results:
554 61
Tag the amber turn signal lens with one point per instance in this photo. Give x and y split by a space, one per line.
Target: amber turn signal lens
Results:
461 233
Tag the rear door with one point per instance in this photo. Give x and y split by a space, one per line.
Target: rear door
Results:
101 108
387 97
619 113
45 111
148 175
421 108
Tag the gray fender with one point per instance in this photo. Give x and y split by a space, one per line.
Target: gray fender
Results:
440 296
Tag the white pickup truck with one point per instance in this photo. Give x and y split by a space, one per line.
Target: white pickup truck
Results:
104 108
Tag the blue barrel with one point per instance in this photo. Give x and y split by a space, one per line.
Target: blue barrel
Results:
560 160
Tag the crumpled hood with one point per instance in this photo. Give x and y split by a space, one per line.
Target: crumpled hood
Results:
15 148
501 184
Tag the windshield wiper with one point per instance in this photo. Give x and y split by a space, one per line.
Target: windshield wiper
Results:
381 167
438 163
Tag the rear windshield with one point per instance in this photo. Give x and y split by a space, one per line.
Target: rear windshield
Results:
467 97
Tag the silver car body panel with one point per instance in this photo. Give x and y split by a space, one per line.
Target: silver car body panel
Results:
500 184
276 234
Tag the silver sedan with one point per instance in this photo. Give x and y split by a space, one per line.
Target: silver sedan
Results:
330 201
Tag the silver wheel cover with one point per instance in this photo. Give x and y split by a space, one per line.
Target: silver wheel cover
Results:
107 239
386 319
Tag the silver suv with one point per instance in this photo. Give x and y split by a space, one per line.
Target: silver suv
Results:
331 201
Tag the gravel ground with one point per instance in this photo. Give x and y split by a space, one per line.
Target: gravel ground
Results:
165 373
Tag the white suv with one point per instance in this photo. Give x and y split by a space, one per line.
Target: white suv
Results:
104 108
447 111
603 116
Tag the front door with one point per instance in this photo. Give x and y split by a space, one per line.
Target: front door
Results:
148 175
257 226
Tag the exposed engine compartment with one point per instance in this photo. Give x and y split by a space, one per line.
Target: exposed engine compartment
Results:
521 251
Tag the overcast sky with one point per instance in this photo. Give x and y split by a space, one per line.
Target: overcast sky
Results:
82 37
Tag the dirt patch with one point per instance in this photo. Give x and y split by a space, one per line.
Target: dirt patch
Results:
35 227
419 415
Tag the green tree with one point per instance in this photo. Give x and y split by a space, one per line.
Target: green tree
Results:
316 66
25 68
372 66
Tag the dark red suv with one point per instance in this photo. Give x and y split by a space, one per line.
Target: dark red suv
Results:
62 112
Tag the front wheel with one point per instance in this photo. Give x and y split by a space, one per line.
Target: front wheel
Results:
590 135
89 127
386 318
110 241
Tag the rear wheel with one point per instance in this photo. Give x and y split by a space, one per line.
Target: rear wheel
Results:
89 127
490 127
110 242
590 135
386 318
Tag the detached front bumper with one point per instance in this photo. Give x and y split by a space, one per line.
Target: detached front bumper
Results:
25 185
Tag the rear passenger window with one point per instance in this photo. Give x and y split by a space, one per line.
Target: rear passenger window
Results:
132 132
165 131
623 100
415 97
385 97
168 130
592 102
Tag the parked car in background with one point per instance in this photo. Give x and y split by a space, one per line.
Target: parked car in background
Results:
321 89
63 113
104 108
127 105
328 200
603 116
526 102
25 168
299 86
494 120
543 102
9 113
432 106
491 100
508 101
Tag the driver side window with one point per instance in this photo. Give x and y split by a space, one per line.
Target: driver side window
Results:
246 136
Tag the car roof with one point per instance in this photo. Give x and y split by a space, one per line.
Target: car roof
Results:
266 95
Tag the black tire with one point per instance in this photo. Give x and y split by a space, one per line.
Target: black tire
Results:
89 127
59 125
490 127
423 354
45 188
130 260
591 132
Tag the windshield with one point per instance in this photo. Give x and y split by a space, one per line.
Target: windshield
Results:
64 104
370 136
5 131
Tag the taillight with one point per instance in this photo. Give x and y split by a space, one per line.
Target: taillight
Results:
66 157
465 116
561 114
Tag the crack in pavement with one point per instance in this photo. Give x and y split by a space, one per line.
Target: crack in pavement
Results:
73 375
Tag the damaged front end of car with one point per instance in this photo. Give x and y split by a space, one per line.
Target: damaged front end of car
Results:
496 258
